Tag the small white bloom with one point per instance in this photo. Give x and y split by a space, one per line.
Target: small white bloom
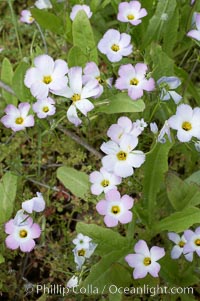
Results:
82 241
180 242
26 17
167 85
186 122
80 255
197 146
153 127
77 8
36 204
165 130
73 282
44 107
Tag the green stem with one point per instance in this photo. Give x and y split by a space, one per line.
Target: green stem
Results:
15 26
43 37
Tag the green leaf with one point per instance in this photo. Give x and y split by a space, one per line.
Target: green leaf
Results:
76 57
180 193
107 239
22 92
6 77
121 103
170 33
179 221
48 21
155 167
83 36
2 259
76 181
8 188
163 65
108 272
165 8
194 178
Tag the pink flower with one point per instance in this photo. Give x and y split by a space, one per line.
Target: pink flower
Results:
115 208
193 243
42 4
187 122
134 80
121 159
47 76
17 118
131 12
44 107
195 34
22 234
26 17
77 8
145 260
115 45
36 204
103 181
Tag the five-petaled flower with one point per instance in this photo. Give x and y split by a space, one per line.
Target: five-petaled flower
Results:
78 93
131 12
44 107
103 181
134 80
47 76
26 17
193 243
115 45
115 208
17 118
120 158
186 122
145 260
22 232
180 242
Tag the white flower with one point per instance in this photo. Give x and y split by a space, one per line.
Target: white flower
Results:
73 282
154 127
197 146
180 242
165 130
78 94
41 4
103 181
186 122
82 241
77 8
80 255
47 76
140 124
44 107
91 72
36 204
193 243
120 159
167 85
26 17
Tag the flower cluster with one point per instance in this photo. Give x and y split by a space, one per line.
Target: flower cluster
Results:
186 244
22 230
84 248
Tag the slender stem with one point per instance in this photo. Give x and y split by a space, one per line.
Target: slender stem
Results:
15 26
6 88
42 36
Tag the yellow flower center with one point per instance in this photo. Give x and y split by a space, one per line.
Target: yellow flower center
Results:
76 97
19 120
197 242
115 47
31 19
115 209
122 156
186 126
147 261
181 244
47 79
81 252
23 233
134 81
45 109
105 183
130 17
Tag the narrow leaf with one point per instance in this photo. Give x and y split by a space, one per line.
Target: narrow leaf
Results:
6 77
